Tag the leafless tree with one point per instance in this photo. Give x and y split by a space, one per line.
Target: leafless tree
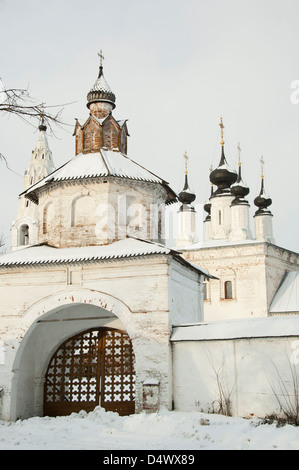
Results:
18 101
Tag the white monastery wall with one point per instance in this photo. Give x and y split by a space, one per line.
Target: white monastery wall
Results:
244 376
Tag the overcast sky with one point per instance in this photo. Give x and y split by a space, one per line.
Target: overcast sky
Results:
175 68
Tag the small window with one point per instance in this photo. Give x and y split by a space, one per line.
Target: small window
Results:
220 217
228 290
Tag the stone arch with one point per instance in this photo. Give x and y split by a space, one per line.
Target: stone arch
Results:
48 323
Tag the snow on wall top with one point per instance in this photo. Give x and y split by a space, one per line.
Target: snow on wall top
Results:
265 327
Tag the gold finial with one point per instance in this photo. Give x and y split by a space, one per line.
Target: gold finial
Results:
262 166
186 162
239 152
100 54
222 127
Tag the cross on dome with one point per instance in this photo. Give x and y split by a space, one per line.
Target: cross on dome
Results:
186 162
262 166
101 56
221 127
239 152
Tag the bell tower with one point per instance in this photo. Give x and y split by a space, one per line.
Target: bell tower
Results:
25 228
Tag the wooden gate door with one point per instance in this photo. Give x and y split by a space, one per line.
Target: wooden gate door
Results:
95 367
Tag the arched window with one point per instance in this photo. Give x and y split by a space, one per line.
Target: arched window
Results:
228 290
48 217
24 235
220 217
83 211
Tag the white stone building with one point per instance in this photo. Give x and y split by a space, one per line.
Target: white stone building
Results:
89 295
248 266
96 310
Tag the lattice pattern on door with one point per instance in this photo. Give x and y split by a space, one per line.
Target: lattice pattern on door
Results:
94 367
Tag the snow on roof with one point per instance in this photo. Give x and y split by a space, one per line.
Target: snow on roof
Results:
43 254
98 164
286 298
126 248
218 243
264 327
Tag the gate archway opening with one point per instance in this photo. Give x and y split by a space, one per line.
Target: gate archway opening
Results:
94 367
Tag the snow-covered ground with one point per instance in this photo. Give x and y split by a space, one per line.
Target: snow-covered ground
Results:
100 430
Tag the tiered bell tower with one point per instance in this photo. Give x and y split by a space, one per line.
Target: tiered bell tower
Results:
24 229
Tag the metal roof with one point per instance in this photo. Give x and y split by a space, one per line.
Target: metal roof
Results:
286 298
126 248
104 163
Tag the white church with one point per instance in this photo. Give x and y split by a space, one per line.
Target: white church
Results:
97 311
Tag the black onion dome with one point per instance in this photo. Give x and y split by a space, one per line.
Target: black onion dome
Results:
223 176
208 205
239 189
207 208
101 91
186 196
42 126
262 201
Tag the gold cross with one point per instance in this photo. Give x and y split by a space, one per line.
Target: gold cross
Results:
239 151
186 162
262 166
100 54
222 127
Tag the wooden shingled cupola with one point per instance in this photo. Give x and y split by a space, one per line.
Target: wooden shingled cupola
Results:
101 130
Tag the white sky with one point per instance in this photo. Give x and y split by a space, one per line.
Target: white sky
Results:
175 66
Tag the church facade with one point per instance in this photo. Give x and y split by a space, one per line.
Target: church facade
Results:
247 265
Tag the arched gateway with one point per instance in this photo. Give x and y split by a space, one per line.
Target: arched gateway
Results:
94 367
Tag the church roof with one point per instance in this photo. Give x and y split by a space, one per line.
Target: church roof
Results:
100 164
286 298
101 91
126 248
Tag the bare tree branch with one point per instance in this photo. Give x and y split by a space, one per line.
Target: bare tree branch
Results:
5 161
18 101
